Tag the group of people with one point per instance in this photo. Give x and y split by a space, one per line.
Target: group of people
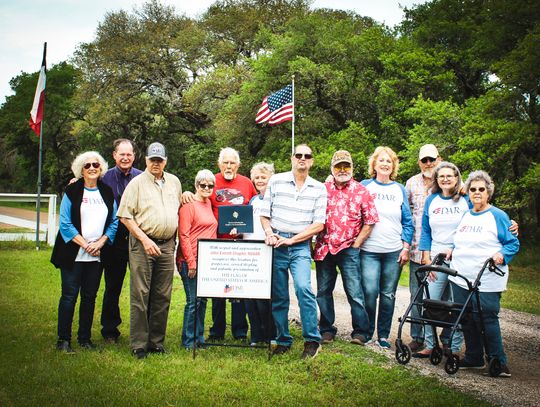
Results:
365 229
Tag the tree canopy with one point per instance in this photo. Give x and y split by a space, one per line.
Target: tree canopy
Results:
463 74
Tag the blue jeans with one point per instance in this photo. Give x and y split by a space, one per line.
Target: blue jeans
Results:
380 277
84 277
474 341
297 259
348 261
188 327
417 330
436 290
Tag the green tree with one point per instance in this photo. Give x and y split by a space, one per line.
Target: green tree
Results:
20 143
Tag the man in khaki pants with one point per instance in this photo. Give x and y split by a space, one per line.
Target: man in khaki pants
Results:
149 210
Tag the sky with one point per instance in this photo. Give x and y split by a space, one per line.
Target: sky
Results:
64 24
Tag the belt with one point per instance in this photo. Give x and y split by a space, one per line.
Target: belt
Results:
160 241
286 235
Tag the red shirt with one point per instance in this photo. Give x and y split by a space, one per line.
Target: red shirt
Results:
195 221
349 207
238 191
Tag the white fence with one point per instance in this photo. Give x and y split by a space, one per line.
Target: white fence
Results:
50 228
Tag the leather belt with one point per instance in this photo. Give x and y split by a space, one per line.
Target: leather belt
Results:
159 241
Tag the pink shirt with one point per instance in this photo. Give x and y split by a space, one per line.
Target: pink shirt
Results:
349 207
196 221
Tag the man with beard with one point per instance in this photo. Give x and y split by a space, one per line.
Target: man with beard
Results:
230 188
418 188
350 216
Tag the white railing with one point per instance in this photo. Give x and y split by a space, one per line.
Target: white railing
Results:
50 229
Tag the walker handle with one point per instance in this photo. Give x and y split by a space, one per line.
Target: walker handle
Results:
440 269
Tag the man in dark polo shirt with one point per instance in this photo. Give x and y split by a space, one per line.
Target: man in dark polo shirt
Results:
115 259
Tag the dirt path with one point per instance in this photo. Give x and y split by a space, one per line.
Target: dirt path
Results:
521 335
23 214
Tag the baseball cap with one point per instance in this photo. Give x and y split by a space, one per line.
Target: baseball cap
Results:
156 150
341 156
428 150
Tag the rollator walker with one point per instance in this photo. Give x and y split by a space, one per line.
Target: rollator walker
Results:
445 314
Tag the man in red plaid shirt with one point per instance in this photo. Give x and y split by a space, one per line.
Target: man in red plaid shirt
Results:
350 216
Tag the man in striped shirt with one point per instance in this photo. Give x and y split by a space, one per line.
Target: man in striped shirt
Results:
294 210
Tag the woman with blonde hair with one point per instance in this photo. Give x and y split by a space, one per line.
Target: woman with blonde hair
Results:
386 250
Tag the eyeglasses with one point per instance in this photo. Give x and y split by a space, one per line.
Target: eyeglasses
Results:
299 156
342 167
88 165
425 160
446 176
206 186
481 189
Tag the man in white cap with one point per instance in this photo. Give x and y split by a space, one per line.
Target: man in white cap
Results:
418 188
149 210
350 216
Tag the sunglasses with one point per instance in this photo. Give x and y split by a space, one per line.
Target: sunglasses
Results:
299 156
481 189
88 165
342 167
206 186
425 160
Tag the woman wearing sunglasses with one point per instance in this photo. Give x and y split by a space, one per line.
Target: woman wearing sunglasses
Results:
196 221
386 250
88 224
443 211
483 233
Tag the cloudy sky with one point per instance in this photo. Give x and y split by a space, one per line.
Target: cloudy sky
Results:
63 24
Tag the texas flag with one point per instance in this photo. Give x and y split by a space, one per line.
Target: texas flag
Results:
36 114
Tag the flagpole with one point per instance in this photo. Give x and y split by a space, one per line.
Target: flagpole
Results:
294 114
38 203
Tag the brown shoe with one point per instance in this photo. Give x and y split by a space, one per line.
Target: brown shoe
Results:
327 337
423 354
359 340
416 346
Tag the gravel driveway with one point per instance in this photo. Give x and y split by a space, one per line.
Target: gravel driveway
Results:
521 335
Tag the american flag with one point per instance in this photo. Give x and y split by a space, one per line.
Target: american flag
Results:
276 108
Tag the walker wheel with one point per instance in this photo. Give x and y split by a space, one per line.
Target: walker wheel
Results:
452 364
436 356
494 367
403 354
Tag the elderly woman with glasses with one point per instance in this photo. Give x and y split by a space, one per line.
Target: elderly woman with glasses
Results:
386 249
483 233
87 223
196 221
443 211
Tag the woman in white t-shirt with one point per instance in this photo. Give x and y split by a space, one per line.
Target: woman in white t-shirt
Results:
88 224
483 233
259 311
386 249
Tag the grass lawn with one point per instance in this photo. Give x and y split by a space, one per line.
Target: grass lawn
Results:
523 293
34 373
